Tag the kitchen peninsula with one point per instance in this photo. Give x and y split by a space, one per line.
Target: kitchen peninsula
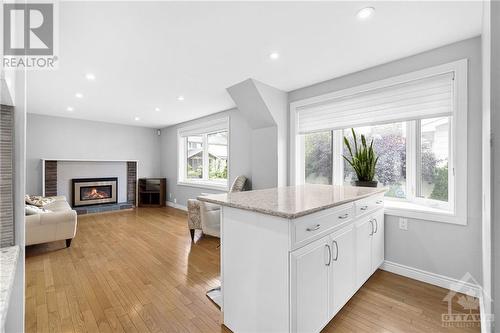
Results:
291 257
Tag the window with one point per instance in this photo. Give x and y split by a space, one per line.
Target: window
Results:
418 124
432 159
217 156
318 158
389 142
194 157
203 155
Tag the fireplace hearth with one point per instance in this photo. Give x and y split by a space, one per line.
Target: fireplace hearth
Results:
94 191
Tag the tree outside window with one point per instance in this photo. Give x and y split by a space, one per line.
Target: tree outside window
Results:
318 158
429 149
389 143
217 155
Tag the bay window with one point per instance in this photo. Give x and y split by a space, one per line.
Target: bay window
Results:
418 124
204 155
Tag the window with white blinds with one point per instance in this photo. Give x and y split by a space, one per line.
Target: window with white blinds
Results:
421 98
418 122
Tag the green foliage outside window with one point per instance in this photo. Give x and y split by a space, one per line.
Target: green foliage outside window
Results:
440 190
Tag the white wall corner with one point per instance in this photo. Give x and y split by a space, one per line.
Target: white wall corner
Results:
265 109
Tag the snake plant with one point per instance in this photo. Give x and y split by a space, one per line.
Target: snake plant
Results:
363 159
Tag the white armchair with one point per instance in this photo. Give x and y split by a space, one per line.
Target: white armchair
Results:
206 216
210 219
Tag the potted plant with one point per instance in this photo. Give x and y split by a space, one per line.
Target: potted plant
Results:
363 160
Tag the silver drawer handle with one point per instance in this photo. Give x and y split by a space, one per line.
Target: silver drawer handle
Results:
364 208
379 202
373 227
329 255
316 227
376 226
336 250
344 216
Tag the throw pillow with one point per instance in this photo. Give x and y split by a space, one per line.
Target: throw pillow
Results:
38 201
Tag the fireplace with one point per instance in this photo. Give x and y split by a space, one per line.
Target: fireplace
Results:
94 191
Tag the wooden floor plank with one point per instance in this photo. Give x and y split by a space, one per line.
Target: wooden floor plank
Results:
137 271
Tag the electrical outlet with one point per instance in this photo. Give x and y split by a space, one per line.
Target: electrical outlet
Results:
403 223
175 200
170 195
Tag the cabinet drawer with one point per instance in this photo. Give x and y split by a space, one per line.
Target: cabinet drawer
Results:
368 205
305 229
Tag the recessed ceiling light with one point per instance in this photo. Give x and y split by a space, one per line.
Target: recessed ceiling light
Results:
180 98
90 76
157 109
137 118
365 13
79 95
274 55
70 109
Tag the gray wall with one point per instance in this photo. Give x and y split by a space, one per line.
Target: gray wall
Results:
441 248
265 164
239 153
64 138
495 127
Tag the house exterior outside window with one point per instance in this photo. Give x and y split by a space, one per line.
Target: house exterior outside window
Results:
204 154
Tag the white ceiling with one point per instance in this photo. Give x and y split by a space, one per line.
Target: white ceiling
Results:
145 54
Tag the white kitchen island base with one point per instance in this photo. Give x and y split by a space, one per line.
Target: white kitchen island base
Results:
281 274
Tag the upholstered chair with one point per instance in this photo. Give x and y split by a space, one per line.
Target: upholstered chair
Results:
205 216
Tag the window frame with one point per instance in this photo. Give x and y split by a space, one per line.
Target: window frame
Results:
412 207
204 130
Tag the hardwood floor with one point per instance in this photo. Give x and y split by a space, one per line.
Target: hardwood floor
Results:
136 271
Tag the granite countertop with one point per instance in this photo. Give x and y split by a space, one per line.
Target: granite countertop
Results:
8 262
293 201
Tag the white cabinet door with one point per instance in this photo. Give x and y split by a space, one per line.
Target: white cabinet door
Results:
342 277
310 267
378 240
364 230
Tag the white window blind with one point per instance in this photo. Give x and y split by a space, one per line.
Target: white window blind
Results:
215 125
417 99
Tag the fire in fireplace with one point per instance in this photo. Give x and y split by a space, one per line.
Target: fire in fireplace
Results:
94 191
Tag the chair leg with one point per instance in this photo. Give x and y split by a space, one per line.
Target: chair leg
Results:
191 231
68 242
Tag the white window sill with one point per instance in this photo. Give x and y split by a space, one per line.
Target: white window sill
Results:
207 185
415 211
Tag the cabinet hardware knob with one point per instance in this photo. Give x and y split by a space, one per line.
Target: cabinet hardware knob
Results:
376 226
364 208
372 231
316 227
346 215
379 202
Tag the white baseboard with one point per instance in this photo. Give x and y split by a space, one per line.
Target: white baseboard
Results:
176 205
442 281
